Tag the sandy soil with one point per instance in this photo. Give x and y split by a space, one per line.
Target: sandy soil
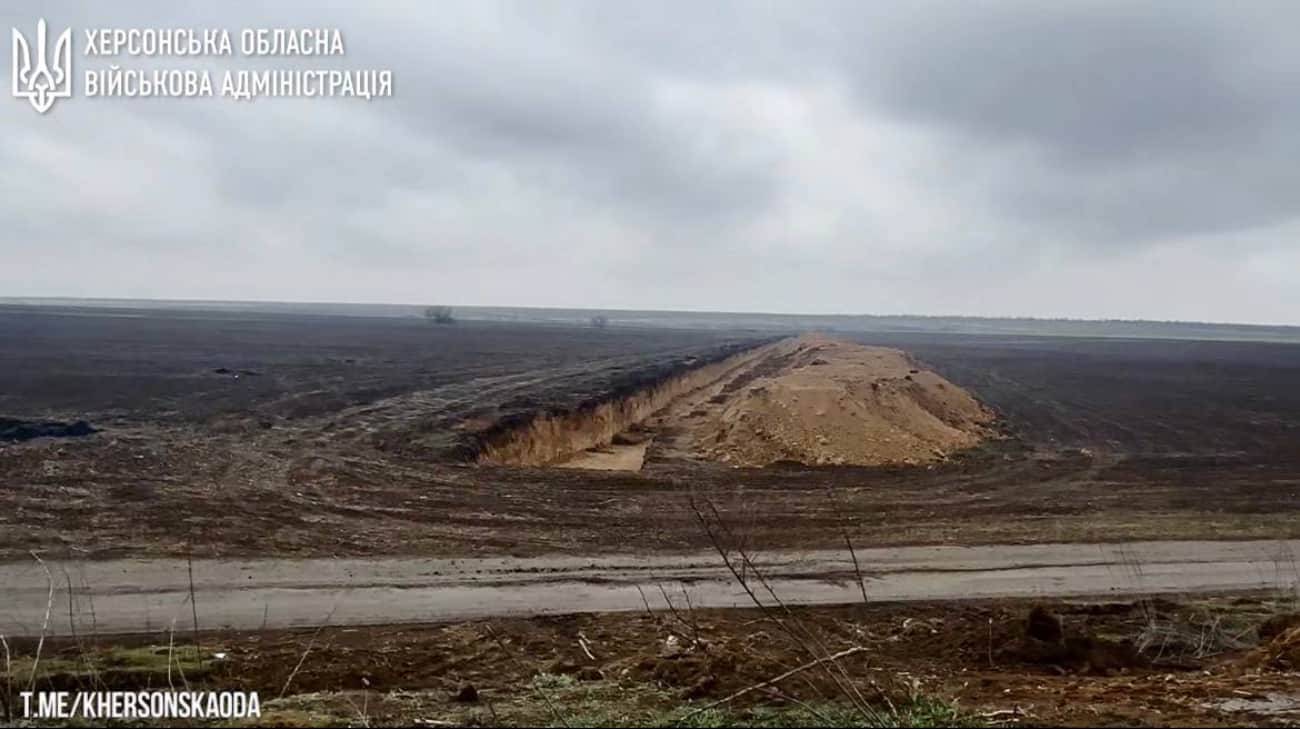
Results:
812 400
613 457
822 401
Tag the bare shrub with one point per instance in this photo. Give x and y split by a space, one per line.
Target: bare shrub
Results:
439 315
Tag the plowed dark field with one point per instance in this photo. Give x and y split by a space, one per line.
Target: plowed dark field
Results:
1130 396
254 434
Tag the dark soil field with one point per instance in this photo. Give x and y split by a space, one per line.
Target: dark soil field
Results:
1129 396
256 434
192 367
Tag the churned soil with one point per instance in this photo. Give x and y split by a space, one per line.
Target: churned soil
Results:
338 445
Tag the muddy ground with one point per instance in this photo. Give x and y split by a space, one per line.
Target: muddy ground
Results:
334 446
1152 662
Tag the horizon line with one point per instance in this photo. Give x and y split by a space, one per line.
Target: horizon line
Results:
984 317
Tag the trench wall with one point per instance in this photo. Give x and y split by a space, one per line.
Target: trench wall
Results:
548 439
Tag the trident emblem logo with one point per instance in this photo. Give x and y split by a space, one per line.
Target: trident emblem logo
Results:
39 83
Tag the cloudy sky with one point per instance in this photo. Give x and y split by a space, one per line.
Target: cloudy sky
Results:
1087 159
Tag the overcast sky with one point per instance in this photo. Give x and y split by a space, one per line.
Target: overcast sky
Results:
1087 159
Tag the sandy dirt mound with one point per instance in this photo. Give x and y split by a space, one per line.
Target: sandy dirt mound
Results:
825 401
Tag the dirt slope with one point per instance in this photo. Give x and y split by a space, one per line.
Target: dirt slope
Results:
819 400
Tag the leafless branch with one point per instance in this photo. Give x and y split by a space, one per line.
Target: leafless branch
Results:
194 606
303 658
801 638
45 626
773 680
795 628
171 642
555 711
9 681
857 569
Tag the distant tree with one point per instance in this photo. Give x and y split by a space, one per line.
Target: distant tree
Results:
439 315
600 321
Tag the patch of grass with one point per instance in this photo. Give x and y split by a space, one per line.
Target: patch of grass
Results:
555 701
929 711
114 666
554 682
548 700
923 712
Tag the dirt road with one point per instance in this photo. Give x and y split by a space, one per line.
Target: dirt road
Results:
151 595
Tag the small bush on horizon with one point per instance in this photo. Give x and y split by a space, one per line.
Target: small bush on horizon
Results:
439 315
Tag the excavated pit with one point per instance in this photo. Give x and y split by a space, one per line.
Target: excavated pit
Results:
586 437
811 399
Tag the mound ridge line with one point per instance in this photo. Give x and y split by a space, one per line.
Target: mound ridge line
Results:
810 399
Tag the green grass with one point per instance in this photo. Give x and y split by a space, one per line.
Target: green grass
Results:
548 700
557 701
116 665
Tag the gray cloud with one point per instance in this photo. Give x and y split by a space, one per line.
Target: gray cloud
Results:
990 158
1133 120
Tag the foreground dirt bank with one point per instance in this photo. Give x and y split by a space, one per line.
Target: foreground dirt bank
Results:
1160 661
142 595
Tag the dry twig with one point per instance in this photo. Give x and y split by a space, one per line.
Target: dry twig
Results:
540 692
45 626
303 657
774 680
